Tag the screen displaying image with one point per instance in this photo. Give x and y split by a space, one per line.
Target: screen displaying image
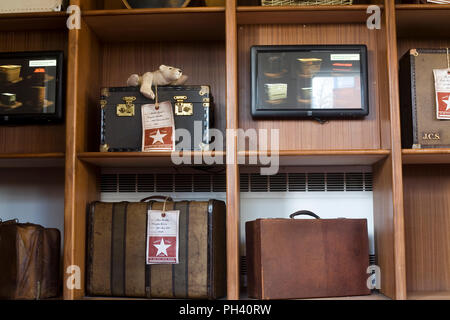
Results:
29 84
310 79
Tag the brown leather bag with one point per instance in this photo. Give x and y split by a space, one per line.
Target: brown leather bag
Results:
304 258
116 251
29 261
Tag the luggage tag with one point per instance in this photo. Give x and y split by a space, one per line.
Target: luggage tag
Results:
442 89
163 236
158 126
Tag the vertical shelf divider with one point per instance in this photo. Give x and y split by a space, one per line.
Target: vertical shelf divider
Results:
397 288
233 194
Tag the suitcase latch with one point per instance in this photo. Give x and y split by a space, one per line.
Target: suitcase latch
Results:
127 109
183 108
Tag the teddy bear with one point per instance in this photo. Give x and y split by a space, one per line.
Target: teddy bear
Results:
164 76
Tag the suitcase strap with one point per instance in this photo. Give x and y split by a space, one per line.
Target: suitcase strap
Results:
159 198
304 213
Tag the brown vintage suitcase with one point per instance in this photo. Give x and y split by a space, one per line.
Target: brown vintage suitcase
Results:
116 247
29 261
420 126
304 258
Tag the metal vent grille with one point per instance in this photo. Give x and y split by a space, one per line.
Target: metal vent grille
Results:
316 182
127 183
259 183
249 182
244 182
183 183
297 182
278 182
108 183
145 183
368 181
202 183
219 183
164 183
335 182
354 182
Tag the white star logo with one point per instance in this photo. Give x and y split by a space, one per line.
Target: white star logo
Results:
158 137
447 102
162 248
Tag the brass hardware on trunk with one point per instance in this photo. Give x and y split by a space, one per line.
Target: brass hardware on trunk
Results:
183 108
127 109
104 148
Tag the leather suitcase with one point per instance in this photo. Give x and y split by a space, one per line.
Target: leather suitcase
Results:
18 6
29 261
420 126
304 258
116 252
122 131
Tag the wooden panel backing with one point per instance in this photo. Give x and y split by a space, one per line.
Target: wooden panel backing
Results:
33 138
310 134
427 225
407 43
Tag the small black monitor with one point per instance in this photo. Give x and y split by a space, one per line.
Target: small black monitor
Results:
31 87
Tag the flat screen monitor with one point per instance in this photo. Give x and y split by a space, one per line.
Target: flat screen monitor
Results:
31 87
309 81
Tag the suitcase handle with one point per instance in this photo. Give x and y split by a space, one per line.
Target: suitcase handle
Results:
164 198
14 221
304 213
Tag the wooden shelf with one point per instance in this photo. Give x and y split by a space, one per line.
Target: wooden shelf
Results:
302 14
33 21
168 24
422 20
429 295
372 296
142 159
322 157
425 156
31 160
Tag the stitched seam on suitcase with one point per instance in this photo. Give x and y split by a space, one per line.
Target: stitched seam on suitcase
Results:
173 265
90 248
148 267
187 250
118 249
179 270
210 267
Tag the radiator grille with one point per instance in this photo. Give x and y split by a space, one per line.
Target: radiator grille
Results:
249 182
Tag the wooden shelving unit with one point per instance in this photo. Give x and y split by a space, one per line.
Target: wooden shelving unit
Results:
425 156
319 157
31 160
139 159
212 45
301 15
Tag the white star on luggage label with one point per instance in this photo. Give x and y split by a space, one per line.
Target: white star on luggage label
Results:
162 248
447 102
158 137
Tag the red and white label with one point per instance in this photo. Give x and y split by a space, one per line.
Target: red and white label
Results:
442 86
158 127
162 237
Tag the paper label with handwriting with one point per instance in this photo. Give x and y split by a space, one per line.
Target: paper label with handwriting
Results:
158 127
163 237
442 86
